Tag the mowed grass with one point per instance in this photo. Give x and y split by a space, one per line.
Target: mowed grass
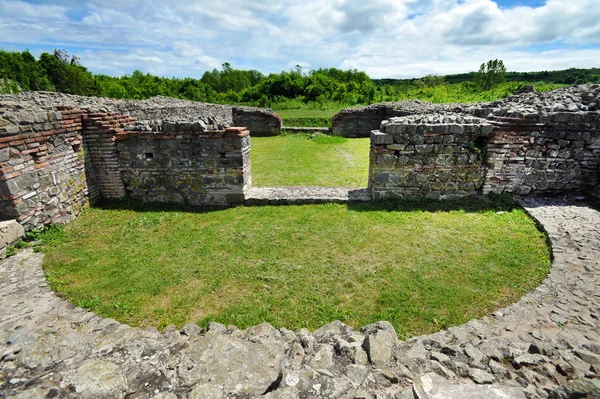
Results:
419 267
299 160
307 117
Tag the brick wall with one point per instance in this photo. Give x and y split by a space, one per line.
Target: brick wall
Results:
431 157
99 134
549 153
42 172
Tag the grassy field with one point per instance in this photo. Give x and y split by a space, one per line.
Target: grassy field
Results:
307 117
299 160
422 267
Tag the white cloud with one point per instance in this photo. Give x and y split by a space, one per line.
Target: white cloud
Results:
385 38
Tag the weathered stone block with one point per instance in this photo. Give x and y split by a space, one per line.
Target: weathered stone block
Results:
379 138
10 232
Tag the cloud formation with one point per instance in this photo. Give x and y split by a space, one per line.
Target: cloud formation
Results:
385 38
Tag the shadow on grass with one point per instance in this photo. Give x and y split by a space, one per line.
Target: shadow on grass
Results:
476 204
470 204
129 204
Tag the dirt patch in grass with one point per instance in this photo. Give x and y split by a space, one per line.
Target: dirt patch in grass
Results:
423 267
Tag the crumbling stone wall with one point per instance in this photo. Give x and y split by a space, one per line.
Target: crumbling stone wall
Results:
261 122
543 143
42 172
178 163
58 152
210 116
550 153
433 157
359 122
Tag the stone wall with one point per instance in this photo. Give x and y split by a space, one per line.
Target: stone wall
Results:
42 172
427 157
359 122
539 143
58 152
182 165
261 122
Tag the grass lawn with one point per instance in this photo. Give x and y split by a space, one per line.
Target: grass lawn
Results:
298 160
307 117
298 266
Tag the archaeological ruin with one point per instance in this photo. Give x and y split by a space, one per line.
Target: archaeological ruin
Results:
58 153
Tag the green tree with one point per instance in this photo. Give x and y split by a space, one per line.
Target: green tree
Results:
433 80
67 75
490 74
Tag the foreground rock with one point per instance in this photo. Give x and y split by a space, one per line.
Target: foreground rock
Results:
546 345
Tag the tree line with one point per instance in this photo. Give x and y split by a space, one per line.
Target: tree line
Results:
324 88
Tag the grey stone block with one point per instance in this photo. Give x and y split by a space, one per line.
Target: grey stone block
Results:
10 232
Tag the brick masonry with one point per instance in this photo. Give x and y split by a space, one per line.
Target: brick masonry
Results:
42 172
538 143
59 152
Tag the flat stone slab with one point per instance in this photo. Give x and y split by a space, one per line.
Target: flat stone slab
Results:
305 195
545 345
434 386
10 232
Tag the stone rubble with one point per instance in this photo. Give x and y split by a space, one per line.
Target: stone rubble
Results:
16 108
545 345
359 122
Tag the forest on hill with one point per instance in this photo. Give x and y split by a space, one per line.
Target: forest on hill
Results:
327 88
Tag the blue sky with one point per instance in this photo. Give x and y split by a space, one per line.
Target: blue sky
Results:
385 38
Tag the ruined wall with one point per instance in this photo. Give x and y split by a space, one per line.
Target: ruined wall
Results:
181 164
538 143
58 152
427 157
99 132
551 153
261 122
42 171
359 122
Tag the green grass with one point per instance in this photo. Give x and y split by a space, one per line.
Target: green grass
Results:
298 266
299 160
307 117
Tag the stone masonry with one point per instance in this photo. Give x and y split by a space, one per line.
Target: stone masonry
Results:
544 143
433 157
42 172
176 163
544 346
58 152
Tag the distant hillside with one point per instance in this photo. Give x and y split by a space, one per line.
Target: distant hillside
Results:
320 89
567 77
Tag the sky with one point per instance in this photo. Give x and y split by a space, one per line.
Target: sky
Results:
384 38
